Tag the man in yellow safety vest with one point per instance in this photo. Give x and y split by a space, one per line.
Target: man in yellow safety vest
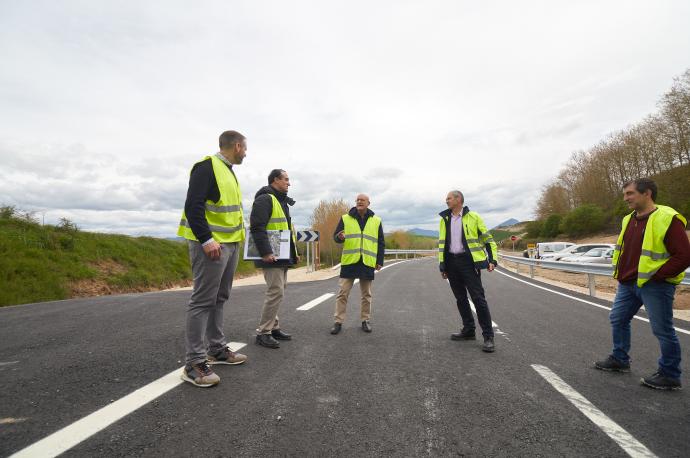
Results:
361 233
213 225
649 260
465 247
271 212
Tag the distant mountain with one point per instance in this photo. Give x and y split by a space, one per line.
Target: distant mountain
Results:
423 232
508 222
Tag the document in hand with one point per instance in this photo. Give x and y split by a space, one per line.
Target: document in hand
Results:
280 244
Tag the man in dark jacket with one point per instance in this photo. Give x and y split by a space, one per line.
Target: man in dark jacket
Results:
363 250
271 210
465 247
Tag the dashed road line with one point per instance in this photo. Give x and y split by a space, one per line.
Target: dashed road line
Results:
71 435
684 331
313 303
625 440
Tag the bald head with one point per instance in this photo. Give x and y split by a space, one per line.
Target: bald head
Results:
362 203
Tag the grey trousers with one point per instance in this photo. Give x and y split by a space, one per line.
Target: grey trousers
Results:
212 285
276 279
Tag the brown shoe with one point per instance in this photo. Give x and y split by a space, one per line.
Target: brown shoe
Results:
226 356
200 375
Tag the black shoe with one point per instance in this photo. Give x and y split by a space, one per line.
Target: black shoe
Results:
266 340
465 334
611 364
661 382
280 335
489 346
336 328
366 327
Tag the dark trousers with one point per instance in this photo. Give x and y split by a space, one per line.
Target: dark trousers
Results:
464 278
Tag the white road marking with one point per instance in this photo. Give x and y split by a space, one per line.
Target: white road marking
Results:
71 435
320 299
7 363
684 331
493 323
627 442
313 303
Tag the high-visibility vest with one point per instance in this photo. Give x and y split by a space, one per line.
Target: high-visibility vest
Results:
654 253
360 243
475 233
224 217
278 220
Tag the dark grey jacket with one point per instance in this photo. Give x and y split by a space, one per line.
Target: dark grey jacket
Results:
258 219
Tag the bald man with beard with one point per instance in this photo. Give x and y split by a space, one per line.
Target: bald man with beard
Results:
361 233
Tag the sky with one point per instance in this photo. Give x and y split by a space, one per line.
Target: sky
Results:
105 106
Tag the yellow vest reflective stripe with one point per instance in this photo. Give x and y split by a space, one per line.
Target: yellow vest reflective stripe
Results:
475 233
654 253
278 221
360 243
224 217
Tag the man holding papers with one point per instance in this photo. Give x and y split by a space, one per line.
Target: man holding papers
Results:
271 212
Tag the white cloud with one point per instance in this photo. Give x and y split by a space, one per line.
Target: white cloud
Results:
104 107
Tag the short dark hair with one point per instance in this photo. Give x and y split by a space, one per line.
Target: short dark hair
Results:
229 138
275 173
642 185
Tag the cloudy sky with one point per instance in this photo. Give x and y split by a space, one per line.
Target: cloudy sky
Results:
105 106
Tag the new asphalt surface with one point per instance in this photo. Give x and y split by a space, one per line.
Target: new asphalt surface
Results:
406 389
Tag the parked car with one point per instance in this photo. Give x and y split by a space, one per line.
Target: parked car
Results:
546 248
595 255
575 250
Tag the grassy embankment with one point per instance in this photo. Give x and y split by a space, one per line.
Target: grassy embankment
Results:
43 263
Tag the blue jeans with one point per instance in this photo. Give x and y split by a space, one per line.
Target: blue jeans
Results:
657 298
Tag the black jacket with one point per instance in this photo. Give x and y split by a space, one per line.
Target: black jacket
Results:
261 213
445 214
202 187
360 270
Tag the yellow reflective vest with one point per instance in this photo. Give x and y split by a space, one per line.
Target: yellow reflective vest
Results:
475 233
360 243
654 253
224 217
279 222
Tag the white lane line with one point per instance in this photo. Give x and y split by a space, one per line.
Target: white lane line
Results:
315 302
497 330
493 323
7 363
684 331
71 435
627 442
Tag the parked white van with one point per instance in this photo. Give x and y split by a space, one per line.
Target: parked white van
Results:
547 248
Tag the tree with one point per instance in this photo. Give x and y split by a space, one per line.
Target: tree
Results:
551 227
534 229
325 219
585 219
398 240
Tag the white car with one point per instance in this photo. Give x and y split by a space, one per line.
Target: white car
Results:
595 255
575 250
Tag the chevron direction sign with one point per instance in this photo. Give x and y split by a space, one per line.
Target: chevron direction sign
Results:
307 236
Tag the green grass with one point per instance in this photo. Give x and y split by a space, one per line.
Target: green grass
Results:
43 263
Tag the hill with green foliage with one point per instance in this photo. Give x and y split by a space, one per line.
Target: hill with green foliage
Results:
44 263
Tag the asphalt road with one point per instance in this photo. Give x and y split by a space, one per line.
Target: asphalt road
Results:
404 390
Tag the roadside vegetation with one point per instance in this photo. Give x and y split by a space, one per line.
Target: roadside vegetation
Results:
46 262
585 197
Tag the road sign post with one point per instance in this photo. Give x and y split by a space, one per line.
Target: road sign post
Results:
310 237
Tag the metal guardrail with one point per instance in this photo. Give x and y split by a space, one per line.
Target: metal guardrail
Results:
409 252
576 267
